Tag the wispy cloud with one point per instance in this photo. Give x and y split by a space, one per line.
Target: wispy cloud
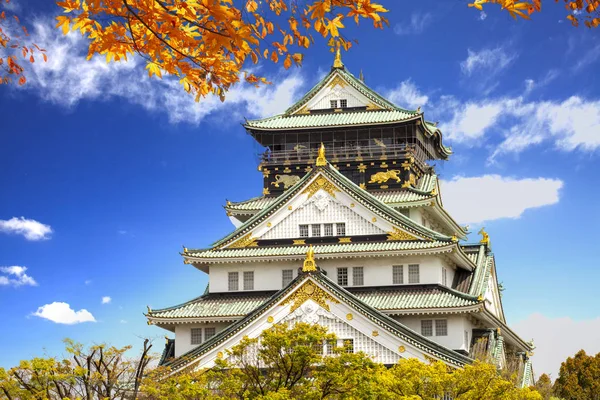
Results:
418 22
29 228
481 68
407 95
506 197
62 313
15 276
67 78
548 331
590 56
106 299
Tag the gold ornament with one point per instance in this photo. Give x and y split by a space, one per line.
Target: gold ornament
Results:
246 241
266 191
309 291
337 61
270 319
286 180
220 355
266 173
349 317
383 177
299 242
321 160
345 240
363 186
375 333
374 219
269 224
362 168
401 349
398 234
309 262
321 183
485 238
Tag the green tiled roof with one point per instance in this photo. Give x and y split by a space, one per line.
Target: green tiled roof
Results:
426 345
346 118
321 250
528 379
409 297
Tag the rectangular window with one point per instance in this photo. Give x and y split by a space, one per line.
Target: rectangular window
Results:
316 230
333 103
444 277
328 230
343 103
358 276
196 335
427 327
287 275
413 273
441 327
303 230
248 280
467 340
209 332
340 229
330 346
349 345
233 279
342 276
398 274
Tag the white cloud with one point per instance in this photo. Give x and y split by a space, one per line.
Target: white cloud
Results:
548 332
15 276
123 321
106 299
417 24
67 78
486 60
482 16
471 120
407 95
62 313
505 197
29 228
590 57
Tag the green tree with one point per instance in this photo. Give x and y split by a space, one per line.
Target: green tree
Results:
544 386
579 377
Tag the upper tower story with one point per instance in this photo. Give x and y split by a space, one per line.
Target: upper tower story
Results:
376 144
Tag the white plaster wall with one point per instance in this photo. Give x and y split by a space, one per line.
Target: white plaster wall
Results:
457 325
377 271
183 335
322 99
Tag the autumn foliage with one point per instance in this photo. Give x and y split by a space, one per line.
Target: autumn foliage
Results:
14 47
207 43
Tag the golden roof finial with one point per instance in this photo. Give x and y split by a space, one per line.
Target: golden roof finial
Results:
485 238
321 160
309 262
337 61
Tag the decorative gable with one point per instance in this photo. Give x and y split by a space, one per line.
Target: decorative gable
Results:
336 90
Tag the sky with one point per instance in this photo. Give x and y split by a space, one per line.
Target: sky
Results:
105 174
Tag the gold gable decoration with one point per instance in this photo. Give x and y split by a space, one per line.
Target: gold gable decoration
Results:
246 241
397 234
485 238
321 183
321 160
309 263
309 291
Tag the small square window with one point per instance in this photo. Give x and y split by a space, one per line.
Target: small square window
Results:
233 279
444 277
196 335
328 230
330 346
467 340
398 274
333 103
316 230
441 327
303 230
358 277
248 280
209 332
349 345
413 273
340 229
342 276
427 327
287 275
343 103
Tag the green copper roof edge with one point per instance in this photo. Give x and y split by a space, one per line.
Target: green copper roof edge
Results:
409 335
446 289
505 328
478 272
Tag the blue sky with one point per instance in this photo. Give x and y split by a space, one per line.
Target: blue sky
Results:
106 173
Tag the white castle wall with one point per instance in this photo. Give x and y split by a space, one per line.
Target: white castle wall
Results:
183 335
457 325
